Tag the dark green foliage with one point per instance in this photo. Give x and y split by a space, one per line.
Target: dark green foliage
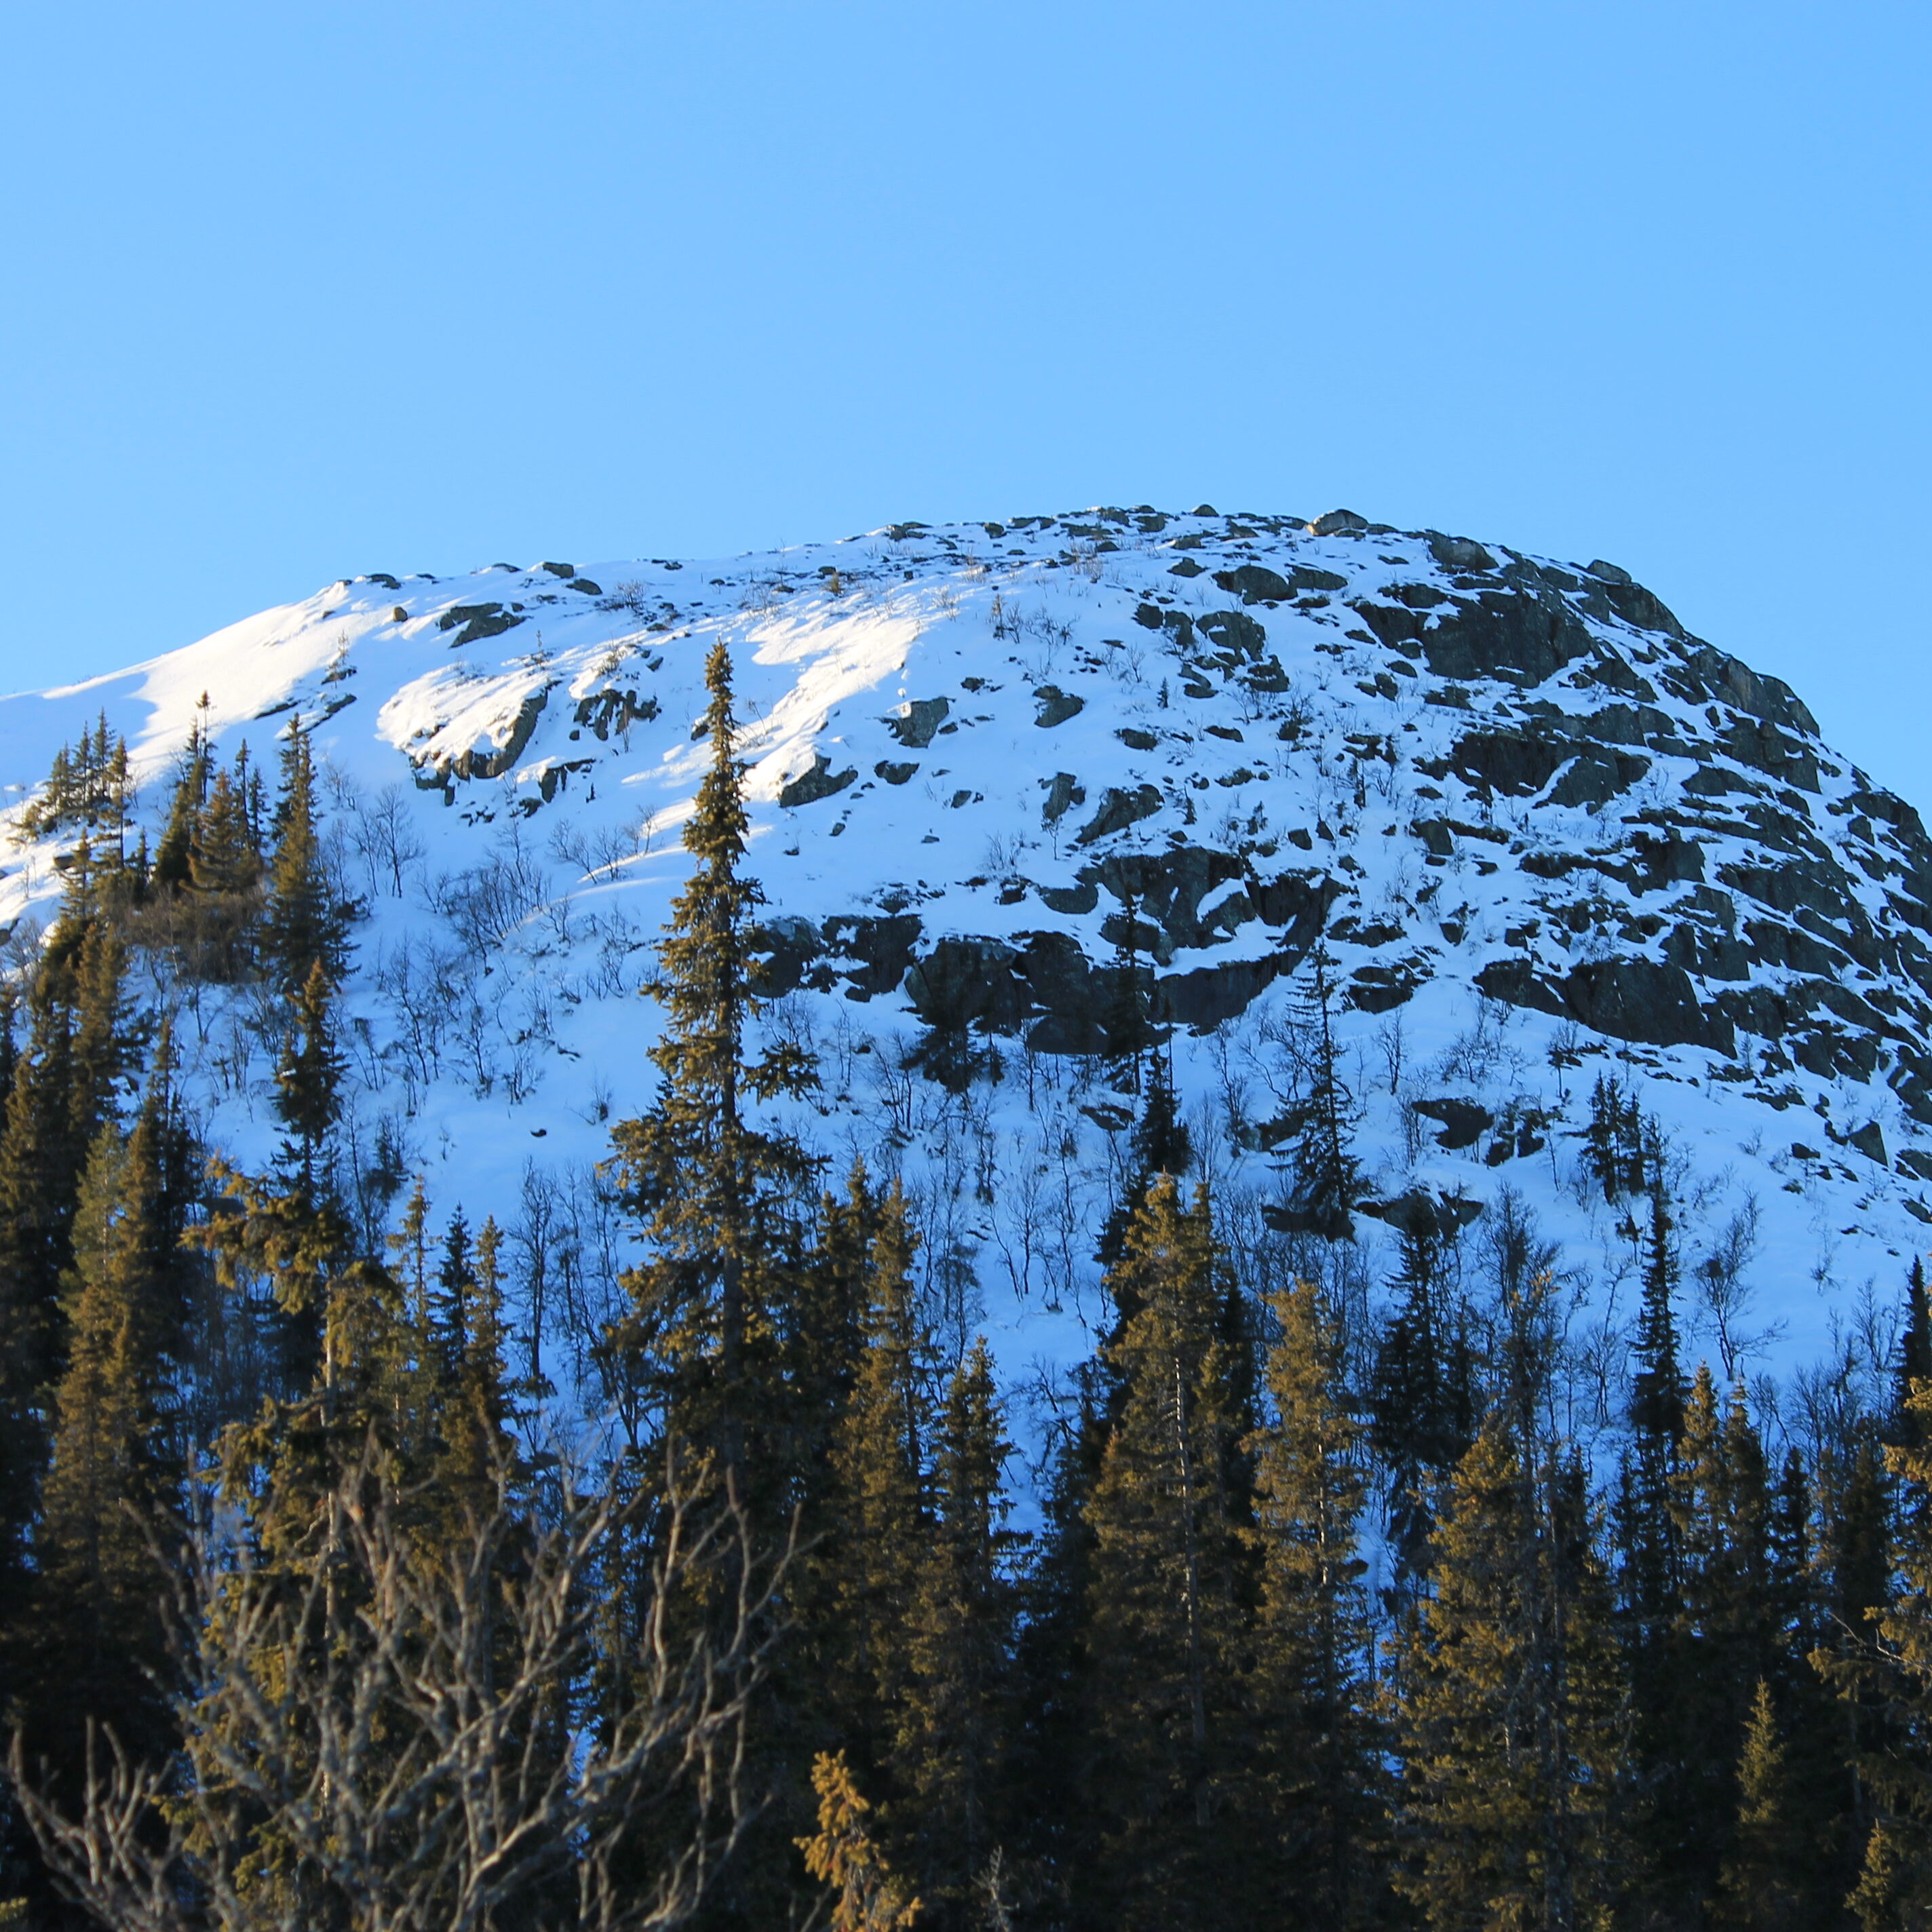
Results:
1320 1170
1173 1590
1614 1150
308 1077
89 787
716 1194
302 927
951 1744
1423 1397
1179 1704
1161 1145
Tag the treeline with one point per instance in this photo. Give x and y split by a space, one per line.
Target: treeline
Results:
312 1612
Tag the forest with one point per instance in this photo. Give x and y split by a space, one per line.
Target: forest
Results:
323 1604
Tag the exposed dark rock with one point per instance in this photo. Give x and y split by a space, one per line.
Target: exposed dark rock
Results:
1235 631
1063 791
1641 1000
1379 989
606 711
1422 1213
1337 522
1458 552
1506 761
1118 810
1254 584
820 781
923 717
1633 999
968 982
878 950
1081 899
1057 706
1167 887
1524 634
479 621
1596 777
1463 1122
476 762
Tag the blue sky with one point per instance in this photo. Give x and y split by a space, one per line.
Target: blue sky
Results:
291 292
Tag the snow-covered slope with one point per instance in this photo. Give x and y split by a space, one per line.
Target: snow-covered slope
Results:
1546 834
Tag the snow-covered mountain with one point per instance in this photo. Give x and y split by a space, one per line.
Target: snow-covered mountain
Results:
998 771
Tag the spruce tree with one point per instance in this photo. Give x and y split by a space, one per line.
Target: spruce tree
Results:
1171 1609
879 1528
114 1467
1322 1178
174 856
1508 1706
1757 1890
1914 1353
1316 1641
223 864
1056 1749
302 927
1161 1145
826 1333
713 1192
1893 1892
1719 1642
1422 1397
66 1086
308 1078
950 1746
1646 1530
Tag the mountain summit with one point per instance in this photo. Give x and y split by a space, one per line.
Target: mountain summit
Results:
1044 807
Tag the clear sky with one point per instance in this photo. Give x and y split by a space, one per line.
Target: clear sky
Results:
290 292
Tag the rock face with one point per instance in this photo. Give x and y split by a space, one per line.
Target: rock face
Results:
1022 788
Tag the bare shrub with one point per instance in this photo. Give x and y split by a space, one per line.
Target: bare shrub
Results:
409 1727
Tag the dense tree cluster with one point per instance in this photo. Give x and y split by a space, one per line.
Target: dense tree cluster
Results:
310 1616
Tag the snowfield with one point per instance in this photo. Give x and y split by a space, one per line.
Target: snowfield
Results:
1547 835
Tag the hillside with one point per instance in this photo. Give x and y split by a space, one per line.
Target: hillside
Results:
1023 790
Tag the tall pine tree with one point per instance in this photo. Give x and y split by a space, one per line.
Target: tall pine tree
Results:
1316 1641
1172 1604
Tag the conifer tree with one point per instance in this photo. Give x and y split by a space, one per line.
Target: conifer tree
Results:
865 1894
713 1191
1507 1709
1422 1398
1055 1749
1914 1353
950 1743
878 1533
103 1032
65 1086
286 1230
1316 1641
113 1467
1172 1610
826 1336
223 864
1161 1145
174 856
1646 1529
1323 1182
1718 1644
308 1078
1893 1892
301 927
1757 1891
